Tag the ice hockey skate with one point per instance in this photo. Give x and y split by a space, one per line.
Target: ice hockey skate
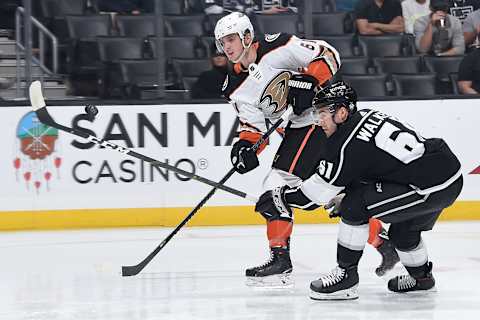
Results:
406 283
276 273
339 284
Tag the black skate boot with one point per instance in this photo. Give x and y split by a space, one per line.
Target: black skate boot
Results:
389 255
408 283
275 273
339 284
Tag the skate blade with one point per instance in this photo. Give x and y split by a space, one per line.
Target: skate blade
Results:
417 292
347 294
274 282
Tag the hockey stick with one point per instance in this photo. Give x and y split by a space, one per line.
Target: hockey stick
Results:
40 108
134 270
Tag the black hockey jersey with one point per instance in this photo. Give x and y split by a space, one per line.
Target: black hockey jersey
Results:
372 146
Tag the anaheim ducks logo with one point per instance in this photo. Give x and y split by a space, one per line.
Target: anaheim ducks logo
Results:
274 97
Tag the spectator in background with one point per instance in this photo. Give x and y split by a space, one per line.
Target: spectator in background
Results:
471 28
250 6
439 33
209 83
346 5
462 8
469 73
412 10
377 17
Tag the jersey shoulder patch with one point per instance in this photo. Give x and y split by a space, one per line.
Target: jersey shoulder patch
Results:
272 37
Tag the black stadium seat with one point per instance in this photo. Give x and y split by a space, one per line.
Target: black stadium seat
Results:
191 67
138 75
136 26
443 67
83 50
368 85
275 23
384 46
345 44
356 65
398 65
414 84
81 27
180 47
59 8
115 48
185 26
335 23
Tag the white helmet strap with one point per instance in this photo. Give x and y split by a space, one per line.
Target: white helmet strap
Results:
245 49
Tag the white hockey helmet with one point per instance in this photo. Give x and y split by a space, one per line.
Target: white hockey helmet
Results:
235 22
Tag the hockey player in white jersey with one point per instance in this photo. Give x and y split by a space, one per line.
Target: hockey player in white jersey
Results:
267 76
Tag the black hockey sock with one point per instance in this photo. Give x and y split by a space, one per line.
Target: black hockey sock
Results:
420 271
347 257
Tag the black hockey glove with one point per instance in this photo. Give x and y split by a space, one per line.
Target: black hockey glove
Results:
243 158
273 206
301 91
333 206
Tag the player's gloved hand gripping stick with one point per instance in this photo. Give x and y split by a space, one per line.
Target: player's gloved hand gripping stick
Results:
39 106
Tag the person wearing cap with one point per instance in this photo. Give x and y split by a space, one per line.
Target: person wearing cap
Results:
209 83
439 33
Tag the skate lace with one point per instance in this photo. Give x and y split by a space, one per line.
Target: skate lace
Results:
334 277
406 282
269 261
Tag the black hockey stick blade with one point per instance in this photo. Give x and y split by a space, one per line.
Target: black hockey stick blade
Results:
40 108
136 269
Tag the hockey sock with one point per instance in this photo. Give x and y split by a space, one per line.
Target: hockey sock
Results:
278 233
375 230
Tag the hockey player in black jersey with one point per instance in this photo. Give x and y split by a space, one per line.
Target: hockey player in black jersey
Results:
373 166
269 73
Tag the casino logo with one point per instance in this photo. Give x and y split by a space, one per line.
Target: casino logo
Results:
36 159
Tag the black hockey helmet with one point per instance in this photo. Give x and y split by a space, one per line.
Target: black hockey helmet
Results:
336 95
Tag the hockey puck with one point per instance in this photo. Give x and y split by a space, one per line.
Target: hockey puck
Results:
91 111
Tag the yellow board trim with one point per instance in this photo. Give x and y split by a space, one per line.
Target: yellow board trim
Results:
168 217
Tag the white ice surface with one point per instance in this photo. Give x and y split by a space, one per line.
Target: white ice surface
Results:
199 275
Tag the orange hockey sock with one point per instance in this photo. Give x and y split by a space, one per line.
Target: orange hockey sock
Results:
375 229
278 231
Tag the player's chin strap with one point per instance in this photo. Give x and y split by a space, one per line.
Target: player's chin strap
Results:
245 49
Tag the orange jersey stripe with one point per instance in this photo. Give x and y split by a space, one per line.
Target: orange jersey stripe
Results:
299 152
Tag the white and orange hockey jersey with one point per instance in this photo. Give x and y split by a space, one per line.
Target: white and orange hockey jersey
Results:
260 92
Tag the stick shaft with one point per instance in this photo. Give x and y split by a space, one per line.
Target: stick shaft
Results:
46 118
134 270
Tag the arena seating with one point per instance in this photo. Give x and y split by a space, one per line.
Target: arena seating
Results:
119 50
